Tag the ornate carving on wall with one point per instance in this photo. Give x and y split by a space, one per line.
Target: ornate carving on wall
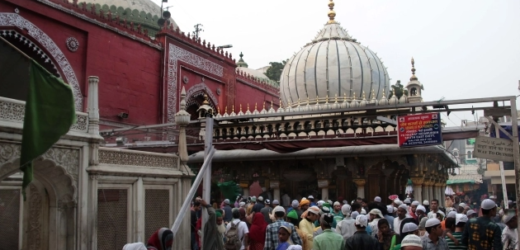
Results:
72 44
15 20
9 152
136 159
175 54
66 158
14 111
81 123
11 111
35 227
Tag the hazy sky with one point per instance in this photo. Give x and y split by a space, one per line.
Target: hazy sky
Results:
462 49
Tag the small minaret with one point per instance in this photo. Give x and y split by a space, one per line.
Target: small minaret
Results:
241 63
414 87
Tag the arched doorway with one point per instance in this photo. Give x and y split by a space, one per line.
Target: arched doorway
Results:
47 218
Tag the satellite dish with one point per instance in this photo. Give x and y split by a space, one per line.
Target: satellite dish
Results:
160 22
166 14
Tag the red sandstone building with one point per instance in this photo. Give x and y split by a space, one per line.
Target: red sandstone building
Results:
139 75
142 69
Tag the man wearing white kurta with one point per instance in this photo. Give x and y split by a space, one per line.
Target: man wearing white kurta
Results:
510 234
401 215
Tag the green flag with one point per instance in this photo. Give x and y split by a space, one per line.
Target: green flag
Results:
229 190
49 114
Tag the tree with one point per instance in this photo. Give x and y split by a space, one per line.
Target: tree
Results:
275 70
398 89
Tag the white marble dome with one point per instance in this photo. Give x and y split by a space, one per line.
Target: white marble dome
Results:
333 64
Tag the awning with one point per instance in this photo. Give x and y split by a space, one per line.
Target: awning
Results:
459 181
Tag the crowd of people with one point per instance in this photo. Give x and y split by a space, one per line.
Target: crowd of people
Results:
255 223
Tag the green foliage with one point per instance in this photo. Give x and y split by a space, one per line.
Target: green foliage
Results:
398 89
275 70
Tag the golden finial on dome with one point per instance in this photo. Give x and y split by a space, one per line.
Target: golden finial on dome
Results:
373 94
241 107
218 110
413 78
280 106
336 98
233 108
364 96
225 110
317 100
344 97
327 99
332 13
263 106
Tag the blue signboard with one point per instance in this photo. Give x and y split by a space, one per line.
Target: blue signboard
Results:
419 130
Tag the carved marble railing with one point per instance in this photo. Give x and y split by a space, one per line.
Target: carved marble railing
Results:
12 112
306 126
114 156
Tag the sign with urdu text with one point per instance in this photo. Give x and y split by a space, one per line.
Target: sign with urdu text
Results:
419 130
493 148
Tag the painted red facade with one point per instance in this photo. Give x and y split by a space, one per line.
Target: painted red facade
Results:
138 75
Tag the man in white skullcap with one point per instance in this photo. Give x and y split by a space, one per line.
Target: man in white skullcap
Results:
510 233
311 199
426 204
377 199
361 239
434 241
375 215
471 214
460 222
402 213
483 226
389 216
336 212
412 209
411 242
420 212
346 227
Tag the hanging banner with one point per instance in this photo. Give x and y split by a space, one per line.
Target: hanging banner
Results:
493 148
419 130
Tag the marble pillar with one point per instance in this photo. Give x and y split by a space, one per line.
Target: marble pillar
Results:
324 185
417 188
360 184
276 194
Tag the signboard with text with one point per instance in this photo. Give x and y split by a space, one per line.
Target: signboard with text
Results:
493 148
419 130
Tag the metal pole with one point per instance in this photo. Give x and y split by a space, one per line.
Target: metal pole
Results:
502 176
516 153
193 190
206 184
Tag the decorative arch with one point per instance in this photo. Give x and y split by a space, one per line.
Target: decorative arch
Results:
15 20
201 88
